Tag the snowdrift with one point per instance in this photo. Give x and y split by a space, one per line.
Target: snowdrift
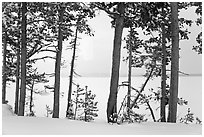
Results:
7 110
16 125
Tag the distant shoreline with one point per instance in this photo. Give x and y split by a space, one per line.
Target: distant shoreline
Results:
139 75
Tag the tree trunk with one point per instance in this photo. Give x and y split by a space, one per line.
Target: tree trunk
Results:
86 103
23 61
111 106
129 75
163 83
151 111
18 54
17 80
71 73
75 111
57 67
31 97
4 69
174 64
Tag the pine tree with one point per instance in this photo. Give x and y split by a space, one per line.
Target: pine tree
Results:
23 61
17 68
163 81
188 118
90 106
4 68
48 110
129 74
85 105
74 43
81 26
198 11
112 100
174 64
58 64
33 78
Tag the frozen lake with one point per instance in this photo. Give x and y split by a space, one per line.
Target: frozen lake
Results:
190 89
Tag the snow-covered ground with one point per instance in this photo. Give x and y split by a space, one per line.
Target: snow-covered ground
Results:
16 125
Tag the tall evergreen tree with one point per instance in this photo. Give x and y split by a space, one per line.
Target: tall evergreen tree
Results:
23 61
17 80
8 54
163 81
173 99
72 70
18 54
129 73
82 14
155 19
4 68
58 64
119 25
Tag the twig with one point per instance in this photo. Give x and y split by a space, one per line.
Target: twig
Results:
43 58
181 72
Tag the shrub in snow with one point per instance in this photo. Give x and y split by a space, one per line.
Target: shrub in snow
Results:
49 111
198 121
134 117
29 107
189 118
31 114
71 114
123 115
90 106
85 106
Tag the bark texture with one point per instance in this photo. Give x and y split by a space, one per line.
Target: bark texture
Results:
17 81
174 64
71 73
112 100
163 83
129 74
23 61
57 67
4 69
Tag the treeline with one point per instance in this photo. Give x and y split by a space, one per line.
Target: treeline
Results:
36 28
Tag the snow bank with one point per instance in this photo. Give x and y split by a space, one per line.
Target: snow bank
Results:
18 125
47 126
7 110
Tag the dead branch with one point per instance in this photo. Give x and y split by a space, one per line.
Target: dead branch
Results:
46 57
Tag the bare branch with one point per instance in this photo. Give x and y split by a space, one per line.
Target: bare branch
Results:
47 50
45 57
51 74
48 87
181 72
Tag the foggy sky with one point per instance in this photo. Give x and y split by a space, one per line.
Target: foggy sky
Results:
95 53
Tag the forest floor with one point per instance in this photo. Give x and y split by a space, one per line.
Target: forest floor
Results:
18 125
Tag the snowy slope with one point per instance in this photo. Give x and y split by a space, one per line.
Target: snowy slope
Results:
16 125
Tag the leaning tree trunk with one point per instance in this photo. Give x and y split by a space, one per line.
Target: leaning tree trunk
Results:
57 67
71 73
4 68
174 64
163 83
111 106
142 88
23 61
